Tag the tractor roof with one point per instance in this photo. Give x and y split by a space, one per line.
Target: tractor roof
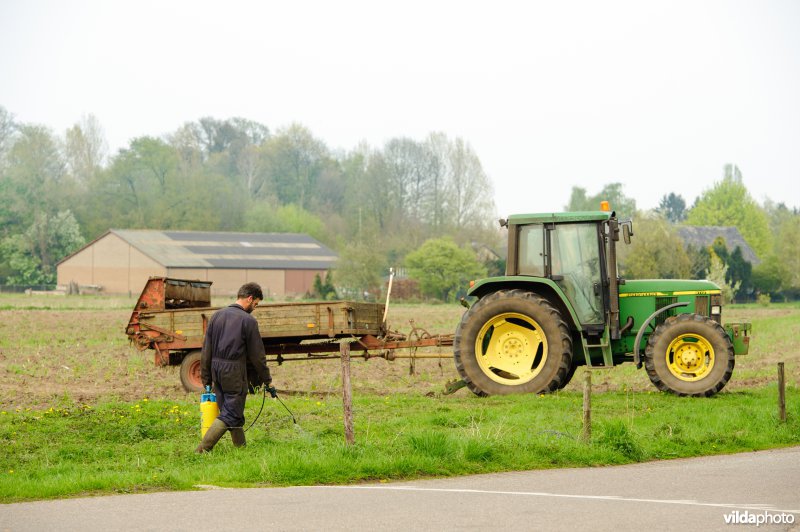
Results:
559 217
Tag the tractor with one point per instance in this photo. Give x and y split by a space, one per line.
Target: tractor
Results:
562 304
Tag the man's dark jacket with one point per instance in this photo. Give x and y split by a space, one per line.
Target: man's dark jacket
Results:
232 344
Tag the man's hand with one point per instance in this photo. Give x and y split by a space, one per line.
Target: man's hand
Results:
272 392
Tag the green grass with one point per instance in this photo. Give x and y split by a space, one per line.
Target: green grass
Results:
71 384
117 447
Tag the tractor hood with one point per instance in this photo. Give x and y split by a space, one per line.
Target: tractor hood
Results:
667 287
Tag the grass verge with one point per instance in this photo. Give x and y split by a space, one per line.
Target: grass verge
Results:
118 447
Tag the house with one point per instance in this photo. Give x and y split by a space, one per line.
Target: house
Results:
703 237
121 261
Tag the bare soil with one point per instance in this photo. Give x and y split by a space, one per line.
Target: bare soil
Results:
75 350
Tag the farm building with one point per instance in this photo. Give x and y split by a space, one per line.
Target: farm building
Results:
121 261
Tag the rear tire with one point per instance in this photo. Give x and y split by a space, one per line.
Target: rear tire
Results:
568 376
190 372
689 354
512 341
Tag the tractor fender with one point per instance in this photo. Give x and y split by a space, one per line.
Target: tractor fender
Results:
546 288
636 358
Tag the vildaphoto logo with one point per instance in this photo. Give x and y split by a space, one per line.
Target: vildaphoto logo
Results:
758 519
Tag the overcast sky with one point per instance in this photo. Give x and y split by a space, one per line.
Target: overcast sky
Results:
551 94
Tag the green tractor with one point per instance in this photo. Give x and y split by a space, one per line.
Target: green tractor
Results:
562 305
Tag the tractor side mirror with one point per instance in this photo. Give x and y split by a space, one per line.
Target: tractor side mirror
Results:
627 231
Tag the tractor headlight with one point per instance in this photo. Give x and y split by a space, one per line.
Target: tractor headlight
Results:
716 310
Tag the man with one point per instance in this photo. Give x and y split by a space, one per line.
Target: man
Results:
232 343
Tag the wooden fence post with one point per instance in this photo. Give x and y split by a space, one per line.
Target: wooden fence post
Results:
781 394
347 393
586 435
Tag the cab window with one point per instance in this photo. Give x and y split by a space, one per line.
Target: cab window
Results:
531 250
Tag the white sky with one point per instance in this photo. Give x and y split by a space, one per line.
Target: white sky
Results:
550 94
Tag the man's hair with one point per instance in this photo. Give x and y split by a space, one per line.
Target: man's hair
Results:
250 289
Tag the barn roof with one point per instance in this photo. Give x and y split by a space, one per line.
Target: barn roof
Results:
200 249
704 236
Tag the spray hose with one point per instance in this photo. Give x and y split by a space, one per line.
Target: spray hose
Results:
274 393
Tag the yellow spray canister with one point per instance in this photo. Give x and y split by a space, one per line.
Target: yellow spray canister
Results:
209 410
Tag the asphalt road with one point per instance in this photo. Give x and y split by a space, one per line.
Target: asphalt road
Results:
688 494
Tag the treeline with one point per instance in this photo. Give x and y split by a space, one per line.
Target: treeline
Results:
657 251
424 205
373 205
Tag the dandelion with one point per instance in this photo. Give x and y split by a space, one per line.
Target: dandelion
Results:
4 412
10 471
145 399
319 404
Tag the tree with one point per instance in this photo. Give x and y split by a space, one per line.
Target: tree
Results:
218 136
717 273
7 128
739 271
32 255
359 268
442 268
296 160
324 289
266 217
35 173
409 165
672 207
779 272
86 148
656 251
467 190
728 203
624 206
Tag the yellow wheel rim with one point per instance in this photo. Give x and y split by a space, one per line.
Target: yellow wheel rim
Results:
511 348
690 357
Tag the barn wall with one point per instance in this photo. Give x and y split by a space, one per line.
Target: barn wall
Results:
110 263
273 282
299 282
192 274
77 269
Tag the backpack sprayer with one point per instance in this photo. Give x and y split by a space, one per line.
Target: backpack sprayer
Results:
209 409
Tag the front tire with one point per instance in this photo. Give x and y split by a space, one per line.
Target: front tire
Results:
689 354
512 341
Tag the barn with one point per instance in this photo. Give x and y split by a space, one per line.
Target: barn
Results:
121 261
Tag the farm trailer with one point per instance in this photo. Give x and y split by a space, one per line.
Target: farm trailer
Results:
172 315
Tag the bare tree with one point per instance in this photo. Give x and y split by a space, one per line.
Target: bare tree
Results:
250 165
6 132
86 148
468 192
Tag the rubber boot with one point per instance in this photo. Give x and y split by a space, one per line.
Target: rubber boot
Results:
237 435
213 434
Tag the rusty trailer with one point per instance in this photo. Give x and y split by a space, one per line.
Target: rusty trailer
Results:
171 317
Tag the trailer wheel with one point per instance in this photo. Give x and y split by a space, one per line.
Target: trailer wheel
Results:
190 372
689 354
512 341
